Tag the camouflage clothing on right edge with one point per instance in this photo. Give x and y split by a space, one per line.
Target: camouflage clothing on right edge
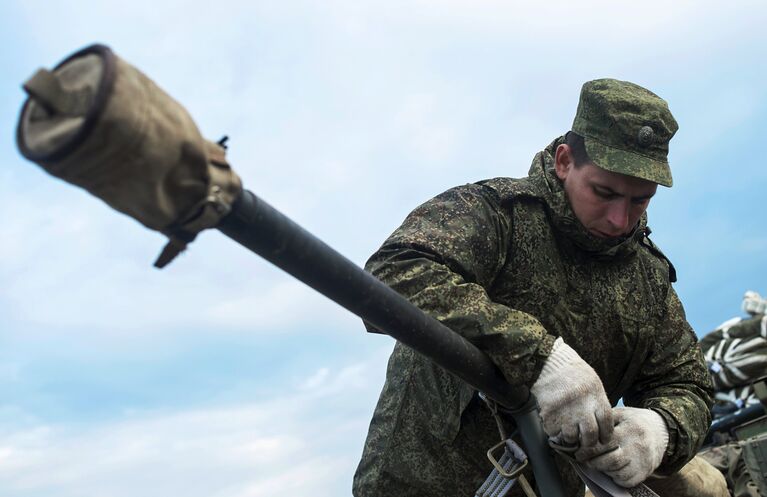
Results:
506 264
728 459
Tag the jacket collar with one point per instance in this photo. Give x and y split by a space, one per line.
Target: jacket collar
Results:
543 175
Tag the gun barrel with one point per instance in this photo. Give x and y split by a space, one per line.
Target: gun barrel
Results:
77 124
259 227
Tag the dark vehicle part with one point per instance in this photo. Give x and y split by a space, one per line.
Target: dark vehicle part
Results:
742 437
755 456
729 423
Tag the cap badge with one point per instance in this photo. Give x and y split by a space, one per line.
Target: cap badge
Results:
646 136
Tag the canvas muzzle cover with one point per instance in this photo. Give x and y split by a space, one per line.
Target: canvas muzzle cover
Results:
99 123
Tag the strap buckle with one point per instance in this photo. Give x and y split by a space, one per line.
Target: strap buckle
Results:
512 452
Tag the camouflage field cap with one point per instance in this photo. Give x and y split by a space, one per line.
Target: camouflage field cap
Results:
626 129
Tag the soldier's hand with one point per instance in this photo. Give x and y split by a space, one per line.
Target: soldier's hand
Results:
572 401
641 436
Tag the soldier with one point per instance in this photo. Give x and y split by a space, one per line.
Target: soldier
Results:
554 277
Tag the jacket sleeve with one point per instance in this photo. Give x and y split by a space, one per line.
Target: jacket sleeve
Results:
675 382
444 257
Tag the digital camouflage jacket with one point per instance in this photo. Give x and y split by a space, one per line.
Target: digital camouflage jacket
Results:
506 264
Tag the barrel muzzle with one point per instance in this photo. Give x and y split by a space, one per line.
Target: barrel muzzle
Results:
99 123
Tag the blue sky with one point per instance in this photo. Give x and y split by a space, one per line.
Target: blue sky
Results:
219 375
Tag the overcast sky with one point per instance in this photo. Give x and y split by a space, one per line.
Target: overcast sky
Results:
220 376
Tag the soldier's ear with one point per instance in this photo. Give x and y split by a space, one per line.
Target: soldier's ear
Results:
563 161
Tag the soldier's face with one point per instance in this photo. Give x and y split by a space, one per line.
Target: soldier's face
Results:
608 204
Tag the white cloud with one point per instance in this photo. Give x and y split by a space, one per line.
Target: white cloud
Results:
314 476
316 379
291 443
286 303
72 262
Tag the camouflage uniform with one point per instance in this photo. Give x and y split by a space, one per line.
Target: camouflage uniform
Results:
728 459
506 263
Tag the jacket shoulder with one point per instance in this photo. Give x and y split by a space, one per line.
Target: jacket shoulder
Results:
508 189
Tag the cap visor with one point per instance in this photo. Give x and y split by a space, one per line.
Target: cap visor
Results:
628 163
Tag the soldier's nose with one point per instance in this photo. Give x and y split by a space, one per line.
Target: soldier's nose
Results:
618 218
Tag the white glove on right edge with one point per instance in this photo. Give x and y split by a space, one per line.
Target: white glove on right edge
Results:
642 438
572 400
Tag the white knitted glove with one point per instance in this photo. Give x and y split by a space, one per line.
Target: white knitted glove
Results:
642 438
572 401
